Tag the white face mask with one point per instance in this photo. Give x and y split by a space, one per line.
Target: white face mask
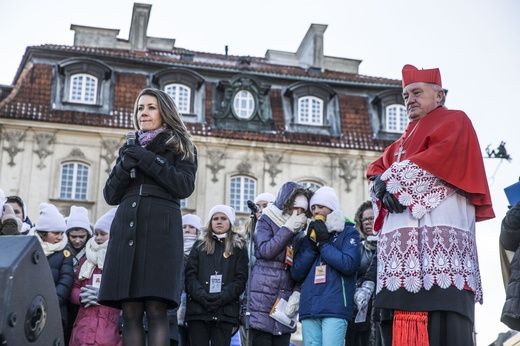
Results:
189 240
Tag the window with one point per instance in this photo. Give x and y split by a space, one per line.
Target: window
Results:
310 185
244 104
184 203
74 181
310 111
181 94
396 118
83 88
242 189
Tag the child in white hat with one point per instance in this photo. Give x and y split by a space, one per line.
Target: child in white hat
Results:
50 229
327 264
94 321
216 275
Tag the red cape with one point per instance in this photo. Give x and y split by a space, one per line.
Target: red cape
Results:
446 145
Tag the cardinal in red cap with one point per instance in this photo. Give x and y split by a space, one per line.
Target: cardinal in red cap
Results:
428 189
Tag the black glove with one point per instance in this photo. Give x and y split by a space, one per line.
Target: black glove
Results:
512 219
322 233
135 151
203 300
312 243
392 204
379 187
128 162
214 305
214 302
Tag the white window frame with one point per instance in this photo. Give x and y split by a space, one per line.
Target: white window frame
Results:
74 185
396 118
310 111
311 185
241 189
244 104
181 94
83 88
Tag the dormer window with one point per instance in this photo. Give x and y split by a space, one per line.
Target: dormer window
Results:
243 104
396 118
83 88
181 94
310 111
82 85
185 87
311 108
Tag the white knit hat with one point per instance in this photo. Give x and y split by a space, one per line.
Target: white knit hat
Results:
325 196
78 218
192 220
105 221
301 202
50 219
227 210
266 196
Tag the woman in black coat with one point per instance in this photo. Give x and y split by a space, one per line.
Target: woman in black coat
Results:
216 275
143 264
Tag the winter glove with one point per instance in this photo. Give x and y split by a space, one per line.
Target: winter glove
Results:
322 233
293 304
89 295
312 242
214 302
511 221
379 187
296 222
363 294
392 204
128 162
135 151
8 212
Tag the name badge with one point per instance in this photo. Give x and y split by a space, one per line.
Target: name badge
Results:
320 274
96 280
215 283
289 255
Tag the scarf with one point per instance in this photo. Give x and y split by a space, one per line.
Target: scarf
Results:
95 258
276 215
77 257
48 248
189 240
148 136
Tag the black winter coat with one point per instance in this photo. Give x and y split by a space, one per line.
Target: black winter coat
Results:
200 266
510 240
145 252
62 272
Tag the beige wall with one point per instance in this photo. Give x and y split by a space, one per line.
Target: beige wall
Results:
299 163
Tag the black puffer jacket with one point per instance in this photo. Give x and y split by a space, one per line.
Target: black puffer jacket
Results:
199 268
510 240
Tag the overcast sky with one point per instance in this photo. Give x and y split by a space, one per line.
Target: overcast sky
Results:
476 45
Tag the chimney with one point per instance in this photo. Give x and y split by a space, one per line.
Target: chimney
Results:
139 27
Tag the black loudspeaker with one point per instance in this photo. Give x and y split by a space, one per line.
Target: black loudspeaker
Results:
29 308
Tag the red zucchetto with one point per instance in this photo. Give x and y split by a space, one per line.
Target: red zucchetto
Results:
412 74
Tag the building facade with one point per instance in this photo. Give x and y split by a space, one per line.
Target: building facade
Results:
257 122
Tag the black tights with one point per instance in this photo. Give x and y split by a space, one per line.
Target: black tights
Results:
158 326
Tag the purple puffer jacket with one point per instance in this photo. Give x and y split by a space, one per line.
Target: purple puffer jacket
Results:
270 277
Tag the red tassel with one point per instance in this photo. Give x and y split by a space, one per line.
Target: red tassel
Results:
410 328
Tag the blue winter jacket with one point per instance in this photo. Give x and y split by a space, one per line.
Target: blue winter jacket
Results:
341 255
